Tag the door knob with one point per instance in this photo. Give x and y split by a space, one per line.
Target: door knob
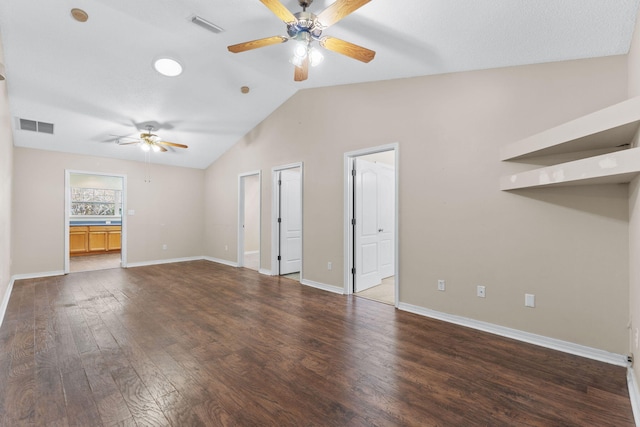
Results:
380 230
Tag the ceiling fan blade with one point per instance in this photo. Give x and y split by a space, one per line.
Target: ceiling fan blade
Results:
255 44
339 10
280 10
127 143
164 150
302 72
349 49
172 144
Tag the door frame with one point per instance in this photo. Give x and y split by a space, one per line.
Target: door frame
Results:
349 260
241 209
275 236
67 213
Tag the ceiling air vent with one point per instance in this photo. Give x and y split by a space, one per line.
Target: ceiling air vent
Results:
34 126
28 125
206 24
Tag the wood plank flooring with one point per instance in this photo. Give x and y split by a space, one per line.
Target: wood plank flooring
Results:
202 344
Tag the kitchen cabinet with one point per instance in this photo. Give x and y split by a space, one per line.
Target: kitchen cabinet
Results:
94 239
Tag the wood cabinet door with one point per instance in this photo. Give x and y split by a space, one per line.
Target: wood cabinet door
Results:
97 241
113 240
78 240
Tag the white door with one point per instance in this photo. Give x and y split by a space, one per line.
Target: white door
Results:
386 219
367 241
290 221
375 223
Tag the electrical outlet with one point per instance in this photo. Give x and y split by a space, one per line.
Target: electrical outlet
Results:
329 265
441 285
226 248
481 291
164 247
529 300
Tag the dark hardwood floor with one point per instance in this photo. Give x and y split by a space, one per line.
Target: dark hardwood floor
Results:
199 343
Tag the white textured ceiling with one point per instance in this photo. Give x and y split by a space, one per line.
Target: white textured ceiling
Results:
96 79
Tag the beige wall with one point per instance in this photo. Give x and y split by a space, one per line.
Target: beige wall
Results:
568 246
6 170
634 208
168 210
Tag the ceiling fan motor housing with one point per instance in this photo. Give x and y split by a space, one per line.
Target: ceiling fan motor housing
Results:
306 23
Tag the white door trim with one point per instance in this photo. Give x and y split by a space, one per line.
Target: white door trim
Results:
241 207
274 214
67 213
348 214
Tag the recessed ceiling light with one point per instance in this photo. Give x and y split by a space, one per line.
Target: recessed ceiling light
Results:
79 15
168 67
244 89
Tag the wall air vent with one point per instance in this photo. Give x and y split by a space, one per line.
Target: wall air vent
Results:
206 25
35 126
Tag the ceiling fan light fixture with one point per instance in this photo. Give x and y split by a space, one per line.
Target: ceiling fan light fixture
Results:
315 57
145 147
297 60
155 148
300 50
168 67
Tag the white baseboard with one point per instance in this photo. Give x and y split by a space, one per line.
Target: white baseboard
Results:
323 286
634 394
38 275
251 252
221 261
552 343
5 300
163 261
265 272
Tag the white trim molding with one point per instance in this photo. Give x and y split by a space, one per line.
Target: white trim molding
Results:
551 343
323 286
348 214
38 275
241 215
275 195
266 272
67 214
164 261
220 261
5 300
634 394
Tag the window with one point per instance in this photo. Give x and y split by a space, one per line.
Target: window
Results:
95 201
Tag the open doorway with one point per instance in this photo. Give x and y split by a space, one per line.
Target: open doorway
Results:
249 196
94 221
371 224
287 221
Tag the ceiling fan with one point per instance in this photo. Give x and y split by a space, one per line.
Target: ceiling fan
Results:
151 142
305 27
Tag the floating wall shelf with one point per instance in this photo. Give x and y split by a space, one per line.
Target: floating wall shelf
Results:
605 130
613 168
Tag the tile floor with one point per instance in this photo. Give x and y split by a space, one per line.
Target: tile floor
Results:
384 292
94 262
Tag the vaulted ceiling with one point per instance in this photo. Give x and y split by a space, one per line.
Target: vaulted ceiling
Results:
96 83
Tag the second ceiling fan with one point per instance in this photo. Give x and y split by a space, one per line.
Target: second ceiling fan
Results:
305 27
151 142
